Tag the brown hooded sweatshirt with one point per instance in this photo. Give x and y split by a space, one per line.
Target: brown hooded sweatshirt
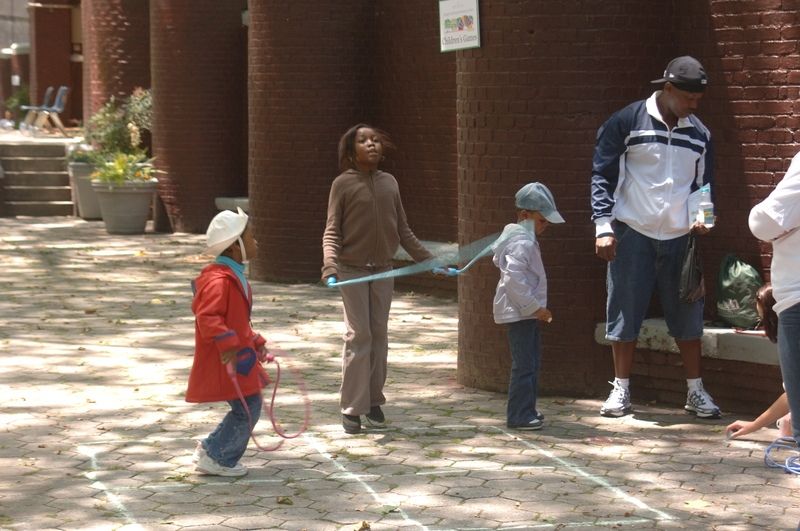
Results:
366 223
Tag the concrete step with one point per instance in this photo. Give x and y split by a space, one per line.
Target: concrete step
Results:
33 164
37 178
38 208
32 150
38 193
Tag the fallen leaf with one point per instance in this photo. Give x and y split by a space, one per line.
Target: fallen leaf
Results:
285 500
697 504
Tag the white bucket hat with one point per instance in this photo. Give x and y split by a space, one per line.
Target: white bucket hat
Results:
224 229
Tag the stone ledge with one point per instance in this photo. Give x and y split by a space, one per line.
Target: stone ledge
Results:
230 203
718 343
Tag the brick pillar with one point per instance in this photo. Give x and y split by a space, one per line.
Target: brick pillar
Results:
309 82
197 67
116 50
420 115
529 103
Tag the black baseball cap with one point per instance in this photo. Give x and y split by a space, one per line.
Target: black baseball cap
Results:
686 73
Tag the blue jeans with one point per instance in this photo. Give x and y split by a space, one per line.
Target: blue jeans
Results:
641 265
789 352
227 443
525 343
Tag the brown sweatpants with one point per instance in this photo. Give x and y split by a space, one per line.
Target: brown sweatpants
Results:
366 340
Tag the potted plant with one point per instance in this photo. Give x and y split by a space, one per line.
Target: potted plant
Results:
81 163
125 185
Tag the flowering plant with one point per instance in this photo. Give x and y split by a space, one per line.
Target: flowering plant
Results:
118 125
125 167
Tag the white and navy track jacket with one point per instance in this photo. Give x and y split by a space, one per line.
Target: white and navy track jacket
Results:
643 173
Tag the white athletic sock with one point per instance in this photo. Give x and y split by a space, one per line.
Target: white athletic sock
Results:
623 382
694 383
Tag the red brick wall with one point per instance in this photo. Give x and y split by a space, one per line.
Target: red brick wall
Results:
751 51
310 80
197 65
529 103
415 94
116 50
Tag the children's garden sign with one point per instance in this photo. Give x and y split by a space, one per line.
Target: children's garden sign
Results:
458 24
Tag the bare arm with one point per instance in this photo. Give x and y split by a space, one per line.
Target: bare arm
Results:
778 409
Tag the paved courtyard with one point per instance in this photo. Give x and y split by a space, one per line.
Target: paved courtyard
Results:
96 341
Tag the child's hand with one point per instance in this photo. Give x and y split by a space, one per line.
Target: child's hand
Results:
227 356
739 428
262 353
543 314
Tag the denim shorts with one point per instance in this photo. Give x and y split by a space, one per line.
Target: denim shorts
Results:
641 265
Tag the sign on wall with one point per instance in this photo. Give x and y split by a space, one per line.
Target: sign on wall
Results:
458 24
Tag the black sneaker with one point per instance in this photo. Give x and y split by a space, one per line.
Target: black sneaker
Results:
535 424
351 424
375 417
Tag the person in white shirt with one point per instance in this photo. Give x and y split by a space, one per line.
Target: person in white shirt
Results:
777 220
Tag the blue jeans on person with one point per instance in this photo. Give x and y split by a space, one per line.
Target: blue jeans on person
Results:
643 264
789 353
525 343
227 443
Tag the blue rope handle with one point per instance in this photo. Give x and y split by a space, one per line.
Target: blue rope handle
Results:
791 465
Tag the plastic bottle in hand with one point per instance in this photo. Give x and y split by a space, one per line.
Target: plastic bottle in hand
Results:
705 210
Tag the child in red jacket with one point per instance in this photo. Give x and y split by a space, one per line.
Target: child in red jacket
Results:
223 300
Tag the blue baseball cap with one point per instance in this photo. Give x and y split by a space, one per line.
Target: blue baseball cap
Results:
536 197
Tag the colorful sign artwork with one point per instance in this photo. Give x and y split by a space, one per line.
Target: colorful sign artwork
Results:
458 25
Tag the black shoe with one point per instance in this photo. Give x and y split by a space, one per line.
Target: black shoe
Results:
375 418
535 424
351 424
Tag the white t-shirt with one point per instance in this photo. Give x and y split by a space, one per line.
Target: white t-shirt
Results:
777 219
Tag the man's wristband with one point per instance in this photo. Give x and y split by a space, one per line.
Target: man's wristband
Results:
604 235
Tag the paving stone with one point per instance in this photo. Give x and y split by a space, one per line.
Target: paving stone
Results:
121 459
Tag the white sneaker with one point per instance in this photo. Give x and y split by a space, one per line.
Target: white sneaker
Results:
618 402
199 452
701 404
206 465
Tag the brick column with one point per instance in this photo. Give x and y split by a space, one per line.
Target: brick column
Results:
116 50
529 103
198 71
309 82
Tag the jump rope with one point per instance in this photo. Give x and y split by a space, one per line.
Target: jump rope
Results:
790 465
264 378
470 254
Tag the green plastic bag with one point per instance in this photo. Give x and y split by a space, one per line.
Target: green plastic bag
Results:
736 292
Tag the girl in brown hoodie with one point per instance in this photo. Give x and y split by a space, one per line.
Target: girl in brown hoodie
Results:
366 223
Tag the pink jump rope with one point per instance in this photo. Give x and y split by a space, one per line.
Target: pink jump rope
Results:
230 366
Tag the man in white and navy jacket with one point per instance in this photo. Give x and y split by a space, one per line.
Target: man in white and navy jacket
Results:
648 158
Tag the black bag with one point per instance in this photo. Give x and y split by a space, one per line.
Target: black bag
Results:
692 287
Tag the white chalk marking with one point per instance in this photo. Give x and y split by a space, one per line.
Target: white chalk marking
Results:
375 496
578 470
113 498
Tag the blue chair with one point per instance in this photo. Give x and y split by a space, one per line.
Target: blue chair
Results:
33 110
51 112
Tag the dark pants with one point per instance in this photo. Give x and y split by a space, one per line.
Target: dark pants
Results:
525 343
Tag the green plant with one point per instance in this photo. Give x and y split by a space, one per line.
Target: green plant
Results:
125 167
118 125
18 99
81 153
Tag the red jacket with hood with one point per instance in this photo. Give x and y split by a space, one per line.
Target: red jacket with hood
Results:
222 323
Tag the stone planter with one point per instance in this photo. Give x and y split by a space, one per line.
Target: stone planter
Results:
82 192
125 206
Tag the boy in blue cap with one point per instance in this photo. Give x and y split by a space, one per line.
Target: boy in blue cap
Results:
520 301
